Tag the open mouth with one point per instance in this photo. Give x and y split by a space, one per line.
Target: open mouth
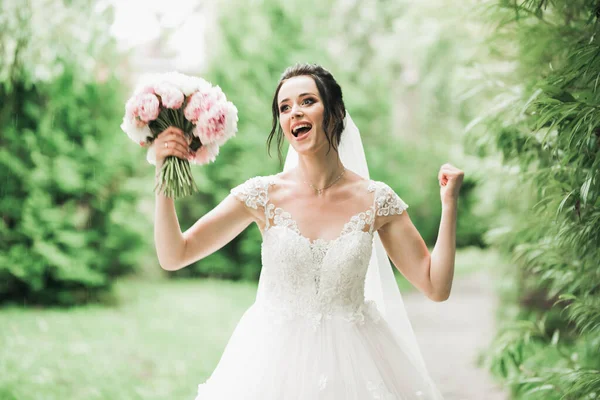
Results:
302 129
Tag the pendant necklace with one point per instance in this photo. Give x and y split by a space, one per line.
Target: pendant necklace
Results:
320 191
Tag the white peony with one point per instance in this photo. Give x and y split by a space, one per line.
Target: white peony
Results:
187 84
231 120
134 132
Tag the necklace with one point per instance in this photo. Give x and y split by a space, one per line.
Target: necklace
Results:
320 191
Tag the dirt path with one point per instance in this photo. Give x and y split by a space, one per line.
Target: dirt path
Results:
451 333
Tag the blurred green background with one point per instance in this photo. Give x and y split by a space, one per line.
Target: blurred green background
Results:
505 90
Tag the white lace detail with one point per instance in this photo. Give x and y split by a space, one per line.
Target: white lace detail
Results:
357 222
281 217
388 202
253 192
316 279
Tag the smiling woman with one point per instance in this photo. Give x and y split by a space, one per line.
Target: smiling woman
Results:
327 306
296 113
307 94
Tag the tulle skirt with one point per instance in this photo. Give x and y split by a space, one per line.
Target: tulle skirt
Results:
315 358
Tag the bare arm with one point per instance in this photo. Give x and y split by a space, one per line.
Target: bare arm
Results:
408 252
168 239
214 230
210 233
443 254
431 273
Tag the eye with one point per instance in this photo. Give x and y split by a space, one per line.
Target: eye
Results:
283 108
308 99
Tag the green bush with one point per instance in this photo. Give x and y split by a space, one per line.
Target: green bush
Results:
67 229
546 126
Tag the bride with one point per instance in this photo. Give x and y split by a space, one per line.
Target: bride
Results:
328 321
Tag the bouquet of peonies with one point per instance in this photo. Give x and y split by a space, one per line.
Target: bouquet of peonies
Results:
189 103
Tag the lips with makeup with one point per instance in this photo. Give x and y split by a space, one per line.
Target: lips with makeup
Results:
301 130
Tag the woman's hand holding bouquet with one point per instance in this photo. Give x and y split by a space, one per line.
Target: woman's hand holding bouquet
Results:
181 119
177 145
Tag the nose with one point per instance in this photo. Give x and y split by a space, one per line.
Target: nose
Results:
296 112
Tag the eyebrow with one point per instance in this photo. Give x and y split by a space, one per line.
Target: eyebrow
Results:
301 95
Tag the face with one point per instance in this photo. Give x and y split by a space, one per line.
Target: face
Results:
301 113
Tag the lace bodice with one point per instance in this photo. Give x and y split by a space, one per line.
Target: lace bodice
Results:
316 279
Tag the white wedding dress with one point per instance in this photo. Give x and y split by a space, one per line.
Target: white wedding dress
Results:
310 334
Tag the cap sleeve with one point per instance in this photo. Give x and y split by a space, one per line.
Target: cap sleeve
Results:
387 201
253 192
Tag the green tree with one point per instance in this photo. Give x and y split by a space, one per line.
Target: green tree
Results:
66 229
544 120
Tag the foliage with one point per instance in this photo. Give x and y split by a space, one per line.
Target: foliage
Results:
544 120
66 230
434 40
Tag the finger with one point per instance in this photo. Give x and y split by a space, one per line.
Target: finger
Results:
172 130
176 148
175 138
176 141
171 134
182 140
443 175
449 172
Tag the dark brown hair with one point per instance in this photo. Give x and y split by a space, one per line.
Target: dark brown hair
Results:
333 103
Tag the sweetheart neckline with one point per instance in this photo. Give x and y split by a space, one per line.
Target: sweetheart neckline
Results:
327 242
313 243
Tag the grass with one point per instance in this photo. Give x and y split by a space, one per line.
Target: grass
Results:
162 340
160 343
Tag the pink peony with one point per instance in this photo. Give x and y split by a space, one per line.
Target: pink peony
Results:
193 110
206 153
132 111
202 102
148 107
171 97
211 125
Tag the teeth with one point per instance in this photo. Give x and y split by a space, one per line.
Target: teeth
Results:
301 126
